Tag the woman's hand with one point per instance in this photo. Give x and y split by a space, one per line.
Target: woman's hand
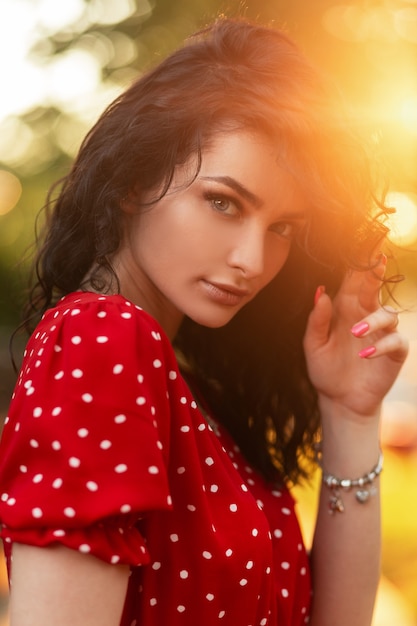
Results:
353 349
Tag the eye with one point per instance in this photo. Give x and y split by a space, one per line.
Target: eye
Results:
285 229
223 204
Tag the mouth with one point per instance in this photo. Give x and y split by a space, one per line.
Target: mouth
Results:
225 294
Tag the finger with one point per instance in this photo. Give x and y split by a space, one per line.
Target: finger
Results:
384 318
319 321
393 345
364 285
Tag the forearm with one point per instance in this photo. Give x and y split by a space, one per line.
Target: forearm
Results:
346 547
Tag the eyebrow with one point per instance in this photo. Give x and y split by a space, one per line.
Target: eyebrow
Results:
236 186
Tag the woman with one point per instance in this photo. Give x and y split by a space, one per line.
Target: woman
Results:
219 208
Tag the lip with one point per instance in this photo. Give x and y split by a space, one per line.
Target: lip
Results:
226 294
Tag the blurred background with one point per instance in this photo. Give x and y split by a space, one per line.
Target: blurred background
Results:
62 62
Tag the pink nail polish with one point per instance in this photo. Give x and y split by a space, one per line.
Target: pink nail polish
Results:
366 352
319 291
359 329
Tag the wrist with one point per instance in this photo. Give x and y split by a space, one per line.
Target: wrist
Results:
350 443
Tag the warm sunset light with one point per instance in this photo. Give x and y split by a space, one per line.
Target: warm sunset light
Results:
403 223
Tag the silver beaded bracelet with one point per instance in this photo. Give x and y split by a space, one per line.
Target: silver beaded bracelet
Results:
363 485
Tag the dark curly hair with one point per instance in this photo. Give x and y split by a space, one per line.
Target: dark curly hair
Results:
251 372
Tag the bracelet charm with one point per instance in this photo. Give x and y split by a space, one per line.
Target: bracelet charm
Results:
363 486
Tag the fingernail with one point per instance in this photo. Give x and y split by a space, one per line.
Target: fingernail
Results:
359 329
367 352
319 291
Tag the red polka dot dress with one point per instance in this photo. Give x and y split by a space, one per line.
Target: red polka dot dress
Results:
105 451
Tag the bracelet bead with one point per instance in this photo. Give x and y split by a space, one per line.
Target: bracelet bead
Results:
363 484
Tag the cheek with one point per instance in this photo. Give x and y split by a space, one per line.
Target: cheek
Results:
275 258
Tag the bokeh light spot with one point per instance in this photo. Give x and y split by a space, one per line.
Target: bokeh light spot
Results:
403 223
10 191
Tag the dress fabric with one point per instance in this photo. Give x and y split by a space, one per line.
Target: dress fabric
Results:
105 451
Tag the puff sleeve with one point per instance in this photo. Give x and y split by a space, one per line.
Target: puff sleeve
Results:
84 451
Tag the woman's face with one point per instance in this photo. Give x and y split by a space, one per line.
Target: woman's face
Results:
207 248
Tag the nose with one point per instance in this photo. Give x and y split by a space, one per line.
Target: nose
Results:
248 252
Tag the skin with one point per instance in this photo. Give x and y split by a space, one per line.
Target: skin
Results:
217 247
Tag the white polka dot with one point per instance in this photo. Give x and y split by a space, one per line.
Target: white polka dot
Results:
101 314
119 419
74 312
209 461
222 614
115 559
34 443
69 511
56 411
125 508
201 427
263 622
278 533
153 601
37 512
233 508
156 565
91 485
140 378
57 348
59 533
284 593
126 316
74 462
249 565
210 596
207 555
57 483
117 369
38 478
185 429
102 339
30 391
12 501
76 340
56 445
23 469
243 582
286 511
183 400
285 565
37 411
193 404
276 494
255 532
157 363
82 432
303 571
153 469
87 397
172 375
191 507
105 444
229 552
156 335
77 373
214 488
121 468
244 488
59 375
85 548
180 608
140 401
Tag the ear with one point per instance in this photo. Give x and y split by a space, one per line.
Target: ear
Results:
130 203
